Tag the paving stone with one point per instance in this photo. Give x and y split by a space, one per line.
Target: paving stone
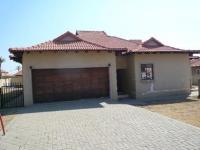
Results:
96 124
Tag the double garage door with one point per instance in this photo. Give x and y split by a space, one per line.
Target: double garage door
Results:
69 84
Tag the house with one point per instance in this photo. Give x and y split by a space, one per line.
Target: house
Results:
17 77
5 78
8 78
195 68
18 73
4 74
92 64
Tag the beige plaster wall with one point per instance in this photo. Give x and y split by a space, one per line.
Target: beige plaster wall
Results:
131 76
195 75
121 62
172 75
67 60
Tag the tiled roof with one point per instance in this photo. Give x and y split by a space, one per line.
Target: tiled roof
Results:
195 62
61 46
194 57
133 46
96 41
5 74
67 41
101 38
153 45
158 49
19 73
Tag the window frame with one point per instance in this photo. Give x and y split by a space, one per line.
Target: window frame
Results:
143 70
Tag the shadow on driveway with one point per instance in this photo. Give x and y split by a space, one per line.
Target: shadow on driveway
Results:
56 106
92 103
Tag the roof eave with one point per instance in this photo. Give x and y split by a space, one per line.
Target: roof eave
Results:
181 51
17 53
14 51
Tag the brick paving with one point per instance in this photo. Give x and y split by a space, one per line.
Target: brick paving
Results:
95 124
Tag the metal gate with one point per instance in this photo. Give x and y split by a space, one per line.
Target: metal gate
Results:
11 95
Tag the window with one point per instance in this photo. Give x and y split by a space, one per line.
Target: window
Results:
147 71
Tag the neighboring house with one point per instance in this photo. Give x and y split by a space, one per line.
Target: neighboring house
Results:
195 67
5 78
17 78
92 64
8 78
4 74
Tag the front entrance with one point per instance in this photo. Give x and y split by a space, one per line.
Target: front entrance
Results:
122 81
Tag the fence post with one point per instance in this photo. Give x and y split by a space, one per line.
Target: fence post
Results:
2 125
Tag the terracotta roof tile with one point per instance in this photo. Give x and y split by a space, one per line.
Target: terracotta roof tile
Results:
19 73
195 62
67 41
60 46
98 40
134 46
158 49
101 38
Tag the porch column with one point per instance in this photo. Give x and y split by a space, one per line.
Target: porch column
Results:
113 81
27 83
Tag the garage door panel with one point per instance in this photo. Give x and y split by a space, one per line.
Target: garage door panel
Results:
69 84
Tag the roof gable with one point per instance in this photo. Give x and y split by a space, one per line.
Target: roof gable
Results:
67 37
152 43
101 38
95 41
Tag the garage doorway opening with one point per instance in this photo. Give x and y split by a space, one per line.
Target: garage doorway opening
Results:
50 85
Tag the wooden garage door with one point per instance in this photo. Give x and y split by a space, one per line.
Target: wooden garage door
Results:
69 84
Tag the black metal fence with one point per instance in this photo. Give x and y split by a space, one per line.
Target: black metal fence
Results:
11 95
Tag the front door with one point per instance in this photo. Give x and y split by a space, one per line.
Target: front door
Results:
122 81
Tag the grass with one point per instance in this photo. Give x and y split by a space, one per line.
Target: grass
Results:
187 111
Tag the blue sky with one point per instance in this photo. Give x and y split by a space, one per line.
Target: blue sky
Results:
24 23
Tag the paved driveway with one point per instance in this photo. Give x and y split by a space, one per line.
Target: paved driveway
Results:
95 124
